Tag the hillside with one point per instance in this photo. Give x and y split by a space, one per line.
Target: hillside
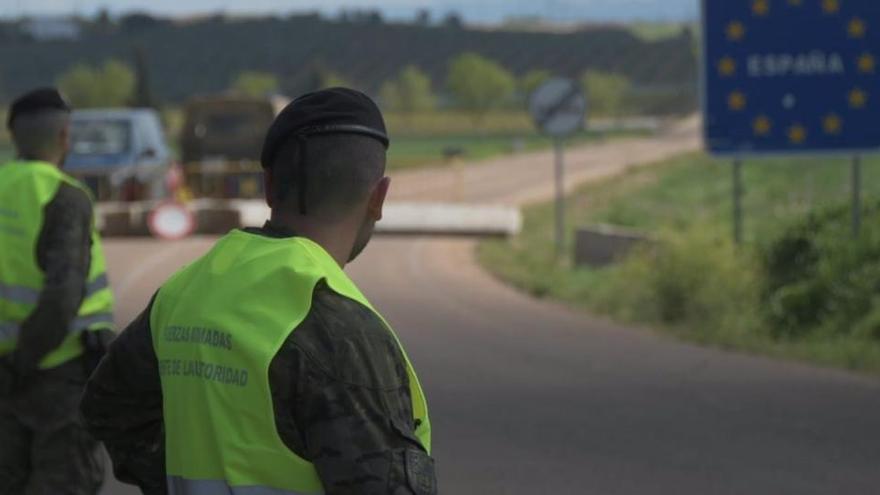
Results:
204 56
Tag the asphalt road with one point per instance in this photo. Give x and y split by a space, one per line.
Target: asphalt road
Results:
530 398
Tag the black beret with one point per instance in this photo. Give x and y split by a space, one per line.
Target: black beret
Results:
329 111
36 101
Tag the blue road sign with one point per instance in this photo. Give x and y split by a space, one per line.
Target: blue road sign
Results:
787 76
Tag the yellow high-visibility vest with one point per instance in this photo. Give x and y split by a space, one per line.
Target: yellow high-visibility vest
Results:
25 190
216 326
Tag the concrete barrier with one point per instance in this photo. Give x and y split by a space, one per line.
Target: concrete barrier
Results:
421 218
215 216
220 216
119 219
450 218
602 245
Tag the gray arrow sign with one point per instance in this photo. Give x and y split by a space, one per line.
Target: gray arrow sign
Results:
558 107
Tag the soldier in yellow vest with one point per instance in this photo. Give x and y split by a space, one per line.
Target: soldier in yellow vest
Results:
55 308
260 368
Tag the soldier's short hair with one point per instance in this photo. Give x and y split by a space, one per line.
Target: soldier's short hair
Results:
336 173
35 134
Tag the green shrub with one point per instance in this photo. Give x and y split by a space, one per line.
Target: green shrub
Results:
255 83
817 278
479 84
692 281
111 85
606 92
410 92
532 80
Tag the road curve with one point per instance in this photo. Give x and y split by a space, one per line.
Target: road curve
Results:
528 177
528 397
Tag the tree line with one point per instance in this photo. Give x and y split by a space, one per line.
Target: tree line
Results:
204 55
474 83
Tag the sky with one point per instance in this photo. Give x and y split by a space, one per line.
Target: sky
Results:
479 11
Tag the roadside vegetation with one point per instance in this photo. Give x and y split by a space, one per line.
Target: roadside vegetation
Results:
477 113
657 31
111 85
6 149
800 287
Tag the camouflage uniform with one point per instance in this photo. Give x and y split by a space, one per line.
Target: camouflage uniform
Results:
44 448
340 393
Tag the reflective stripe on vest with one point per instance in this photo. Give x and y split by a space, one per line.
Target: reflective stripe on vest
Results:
80 323
182 486
216 326
25 190
100 283
18 294
26 295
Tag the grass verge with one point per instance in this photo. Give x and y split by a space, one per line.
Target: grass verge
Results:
698 286
409 151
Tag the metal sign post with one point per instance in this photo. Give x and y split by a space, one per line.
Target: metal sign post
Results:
856 195
559 109
558 149
737 202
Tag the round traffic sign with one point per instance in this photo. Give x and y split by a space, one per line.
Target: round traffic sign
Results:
558 107
171 221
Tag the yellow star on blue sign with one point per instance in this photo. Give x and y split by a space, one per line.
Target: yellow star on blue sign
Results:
857 28
761 7
832 124
831 6
736 31
736 101
727 67
858 98
762 125
797 134
866 63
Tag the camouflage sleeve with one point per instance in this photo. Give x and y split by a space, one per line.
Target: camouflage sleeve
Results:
63 254
347 400
122 407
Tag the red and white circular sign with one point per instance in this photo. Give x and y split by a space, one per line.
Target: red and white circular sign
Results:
171 221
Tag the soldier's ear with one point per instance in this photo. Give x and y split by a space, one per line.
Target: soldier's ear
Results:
377 199
268 187
64 138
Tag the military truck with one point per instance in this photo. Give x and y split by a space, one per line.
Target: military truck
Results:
220 144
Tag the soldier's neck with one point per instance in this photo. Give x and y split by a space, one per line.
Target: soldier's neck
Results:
336 238
41 157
